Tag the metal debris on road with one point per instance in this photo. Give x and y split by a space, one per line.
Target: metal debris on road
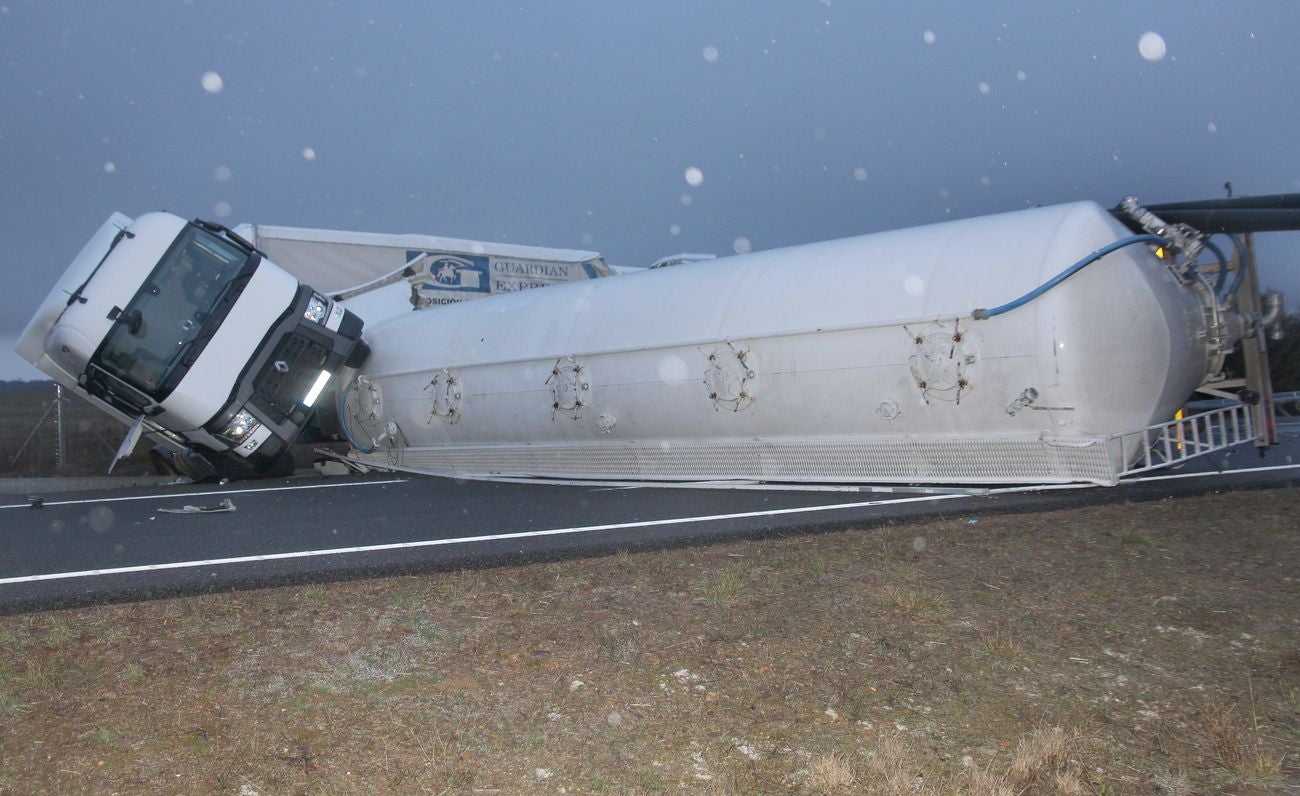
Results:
225 505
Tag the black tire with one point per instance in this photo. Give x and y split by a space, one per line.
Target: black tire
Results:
160 459
210 466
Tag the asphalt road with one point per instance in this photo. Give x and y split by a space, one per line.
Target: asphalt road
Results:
96 546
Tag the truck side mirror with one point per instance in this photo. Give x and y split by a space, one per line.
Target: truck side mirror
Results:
132 320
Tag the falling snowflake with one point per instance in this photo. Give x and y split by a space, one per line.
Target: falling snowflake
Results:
212 82
711 54
1152 46
308 153
694 177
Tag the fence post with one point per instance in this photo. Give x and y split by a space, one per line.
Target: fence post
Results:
62 452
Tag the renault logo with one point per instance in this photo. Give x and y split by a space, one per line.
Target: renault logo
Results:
281 366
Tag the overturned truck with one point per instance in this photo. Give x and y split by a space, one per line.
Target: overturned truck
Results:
1050 345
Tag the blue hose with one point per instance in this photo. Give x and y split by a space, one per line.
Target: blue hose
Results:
1223 267
982 314
1241 267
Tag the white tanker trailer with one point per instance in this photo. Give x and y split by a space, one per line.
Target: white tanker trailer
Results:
957 353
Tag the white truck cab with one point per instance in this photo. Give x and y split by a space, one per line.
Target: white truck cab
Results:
190 330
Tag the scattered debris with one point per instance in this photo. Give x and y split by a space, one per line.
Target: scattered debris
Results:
330 463
225 505
329 467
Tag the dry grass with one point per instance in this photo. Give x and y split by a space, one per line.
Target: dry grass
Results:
916 603
1034 654
1174 783
1042 754
888 767
983 781
831 774
1236 745
1002 645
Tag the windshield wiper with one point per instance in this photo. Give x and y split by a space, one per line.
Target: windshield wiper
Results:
76 294
220 309
234 237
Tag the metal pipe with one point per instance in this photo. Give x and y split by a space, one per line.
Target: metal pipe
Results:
1272 308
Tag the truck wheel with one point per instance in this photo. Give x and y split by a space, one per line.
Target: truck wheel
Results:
160 459
190 464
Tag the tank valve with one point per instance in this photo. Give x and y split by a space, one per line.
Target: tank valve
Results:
1027 397
1180 236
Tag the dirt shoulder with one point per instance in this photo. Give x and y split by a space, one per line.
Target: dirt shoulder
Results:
1128 648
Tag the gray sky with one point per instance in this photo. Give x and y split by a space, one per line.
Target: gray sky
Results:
573 123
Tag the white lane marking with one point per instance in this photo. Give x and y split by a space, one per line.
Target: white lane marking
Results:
172 496
1011 490
733 486
1175 476
762 486
470 539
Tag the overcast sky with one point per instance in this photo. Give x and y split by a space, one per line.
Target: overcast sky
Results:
577 124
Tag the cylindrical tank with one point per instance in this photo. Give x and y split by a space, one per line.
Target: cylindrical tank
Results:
853 360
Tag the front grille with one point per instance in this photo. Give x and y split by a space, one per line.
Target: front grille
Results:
288 374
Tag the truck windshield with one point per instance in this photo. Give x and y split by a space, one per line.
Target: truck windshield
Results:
178 308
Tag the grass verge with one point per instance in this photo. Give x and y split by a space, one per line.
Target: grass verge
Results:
1031 654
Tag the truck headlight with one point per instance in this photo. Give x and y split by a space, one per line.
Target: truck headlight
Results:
318 309
239 427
